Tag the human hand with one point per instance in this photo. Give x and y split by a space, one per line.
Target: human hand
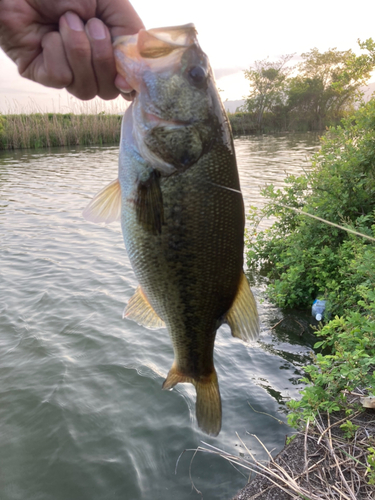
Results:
67 43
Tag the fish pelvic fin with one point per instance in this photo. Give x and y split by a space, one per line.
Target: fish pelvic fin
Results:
243 317
140 310
149 204
208 405
106 205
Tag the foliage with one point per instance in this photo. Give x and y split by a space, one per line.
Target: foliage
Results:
326 86
267 84
371 465
242 123
306 258
314 94
349 429
350 364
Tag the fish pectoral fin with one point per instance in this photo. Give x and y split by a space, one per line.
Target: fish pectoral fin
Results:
208 405
139 310
106 205
149 204
243 317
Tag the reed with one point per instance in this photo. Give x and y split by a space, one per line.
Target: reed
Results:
39 130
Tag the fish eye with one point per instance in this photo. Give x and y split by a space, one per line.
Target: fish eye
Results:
197 75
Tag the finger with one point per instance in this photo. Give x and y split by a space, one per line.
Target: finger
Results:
50 67
122 84
120 17
102 57
57 72
78 53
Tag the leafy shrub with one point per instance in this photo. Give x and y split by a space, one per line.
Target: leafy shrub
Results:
304 257
350 364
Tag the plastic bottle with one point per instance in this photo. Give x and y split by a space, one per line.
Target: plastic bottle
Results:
318 309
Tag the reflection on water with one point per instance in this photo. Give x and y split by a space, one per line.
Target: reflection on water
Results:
82 412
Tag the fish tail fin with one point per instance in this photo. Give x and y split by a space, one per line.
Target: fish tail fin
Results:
208 405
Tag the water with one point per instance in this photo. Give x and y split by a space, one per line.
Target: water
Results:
82 413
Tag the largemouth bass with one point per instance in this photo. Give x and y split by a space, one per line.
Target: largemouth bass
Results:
179 199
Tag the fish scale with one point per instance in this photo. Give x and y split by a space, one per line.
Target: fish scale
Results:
181 208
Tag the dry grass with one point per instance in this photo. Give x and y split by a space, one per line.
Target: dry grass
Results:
85 124
47 130
319 464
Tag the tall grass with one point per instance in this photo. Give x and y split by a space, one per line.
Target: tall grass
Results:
38 130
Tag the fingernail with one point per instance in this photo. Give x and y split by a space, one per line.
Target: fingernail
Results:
96 29
74 22
122 84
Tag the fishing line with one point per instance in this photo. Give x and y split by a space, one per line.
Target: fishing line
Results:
328 222
224 187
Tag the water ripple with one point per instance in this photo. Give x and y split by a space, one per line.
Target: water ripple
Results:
82 412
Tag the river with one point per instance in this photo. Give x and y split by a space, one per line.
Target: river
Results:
82 413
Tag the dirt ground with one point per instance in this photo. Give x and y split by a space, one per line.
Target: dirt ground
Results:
319 464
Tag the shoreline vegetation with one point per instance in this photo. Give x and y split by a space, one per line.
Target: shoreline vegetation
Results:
304 259
45 130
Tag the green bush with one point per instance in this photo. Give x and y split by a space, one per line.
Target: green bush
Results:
304 257
350 364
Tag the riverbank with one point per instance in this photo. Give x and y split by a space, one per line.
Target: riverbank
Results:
329 460
44 130
306 260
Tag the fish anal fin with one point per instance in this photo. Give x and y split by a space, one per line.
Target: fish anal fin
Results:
139 310
106 205
149 204
208 405
243 317
175 377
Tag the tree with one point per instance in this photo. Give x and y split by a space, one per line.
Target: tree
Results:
328 84
267 86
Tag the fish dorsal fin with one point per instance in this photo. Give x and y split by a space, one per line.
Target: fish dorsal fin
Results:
139 310
243 317
106 205
149 204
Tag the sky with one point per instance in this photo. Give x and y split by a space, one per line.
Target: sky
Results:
233 33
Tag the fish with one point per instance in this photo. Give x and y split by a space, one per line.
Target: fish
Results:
179 200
